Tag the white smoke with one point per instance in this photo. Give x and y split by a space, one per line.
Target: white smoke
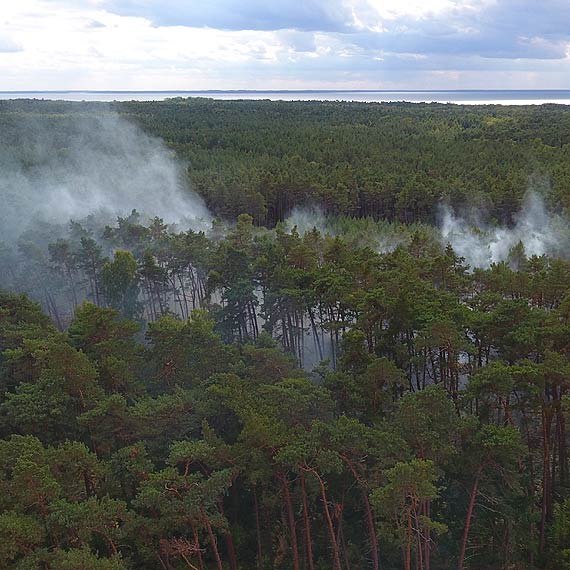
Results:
86 165
481 245
387 244
382 237
305 219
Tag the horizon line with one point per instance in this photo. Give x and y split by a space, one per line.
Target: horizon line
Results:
126 91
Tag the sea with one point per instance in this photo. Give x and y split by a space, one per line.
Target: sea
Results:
460 97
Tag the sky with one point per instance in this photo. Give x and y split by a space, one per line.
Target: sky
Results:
284 44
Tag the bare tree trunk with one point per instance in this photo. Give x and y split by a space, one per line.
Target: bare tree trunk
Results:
161 561
229 540
474 492
257 530
197 542
291 520
546 425
427 541
307 524
408 551
184 297
371 531
213 540
369 513
334 542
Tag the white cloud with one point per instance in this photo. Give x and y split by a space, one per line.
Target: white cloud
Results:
147 44
386 10
8 45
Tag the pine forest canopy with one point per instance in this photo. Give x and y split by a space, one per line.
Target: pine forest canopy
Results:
394 161
251 394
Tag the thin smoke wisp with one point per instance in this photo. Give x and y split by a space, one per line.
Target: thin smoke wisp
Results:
305 219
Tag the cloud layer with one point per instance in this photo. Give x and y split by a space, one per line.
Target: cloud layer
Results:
306 15
257 44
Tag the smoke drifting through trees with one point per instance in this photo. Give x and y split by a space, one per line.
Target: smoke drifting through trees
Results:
78 165
306 219
75 165
473 238
481 244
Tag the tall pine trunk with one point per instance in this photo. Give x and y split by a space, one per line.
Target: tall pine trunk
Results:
257 530
212 538
334 542
290 520
307 523
546 475
464 540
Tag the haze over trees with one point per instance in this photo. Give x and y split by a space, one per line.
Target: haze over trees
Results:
258 396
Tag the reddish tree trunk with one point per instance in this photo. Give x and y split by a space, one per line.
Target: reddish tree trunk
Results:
342 544
336 554
161 561
229 541
546 428
408 552
307 524
562 446
369 514
291 520
371 531
231 551
474 492
427 542
212 539
197 542
257 530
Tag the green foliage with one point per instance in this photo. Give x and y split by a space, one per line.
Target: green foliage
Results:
119 279
109 341
84 559
20 534
408 487
186 353
560 537
168 419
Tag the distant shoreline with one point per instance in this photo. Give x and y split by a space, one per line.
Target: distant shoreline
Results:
453 96
286 91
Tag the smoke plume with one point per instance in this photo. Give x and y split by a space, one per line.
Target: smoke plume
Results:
80 165
481 245
307 218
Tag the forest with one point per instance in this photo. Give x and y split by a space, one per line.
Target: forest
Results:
247 393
